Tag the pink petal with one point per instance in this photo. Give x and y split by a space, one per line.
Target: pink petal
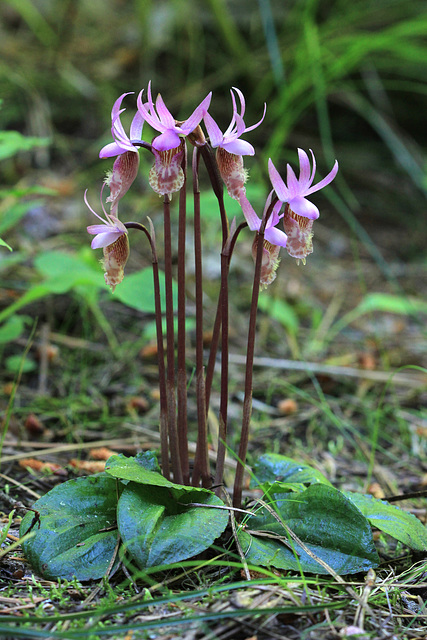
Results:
214 132
166 118
323 183
293 184
136 127
94 229
116 106
117 128
251 217
254 126
277 182
191 123
305 169
242 101
152 120
240 126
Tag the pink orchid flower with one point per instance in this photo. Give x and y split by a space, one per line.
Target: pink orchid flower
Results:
106 233
299 212
160 118
273 238
229 140
271 234
297 189
122 142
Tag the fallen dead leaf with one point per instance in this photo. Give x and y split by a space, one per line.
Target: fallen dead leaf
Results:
102 453
88 466
39 465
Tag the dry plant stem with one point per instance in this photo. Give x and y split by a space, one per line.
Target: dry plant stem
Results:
247 402
201 463
170 348
181 346
164 448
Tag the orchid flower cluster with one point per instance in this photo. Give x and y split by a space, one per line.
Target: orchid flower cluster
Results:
167 177
286 221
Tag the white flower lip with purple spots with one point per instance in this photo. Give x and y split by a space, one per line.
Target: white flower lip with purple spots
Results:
229 140
160 118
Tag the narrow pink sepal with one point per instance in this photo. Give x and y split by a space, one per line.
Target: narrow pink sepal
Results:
254 222
277 182
323 183
214 132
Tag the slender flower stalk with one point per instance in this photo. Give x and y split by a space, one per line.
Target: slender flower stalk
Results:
181 345
164 446
286 204
170 350
250 352
201 463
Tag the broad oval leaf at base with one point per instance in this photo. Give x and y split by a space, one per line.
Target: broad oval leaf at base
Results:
78 530
324 520
158 529
399 524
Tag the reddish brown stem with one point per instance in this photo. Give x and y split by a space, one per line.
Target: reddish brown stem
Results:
164 449
170 348
250 351
201 462
181 346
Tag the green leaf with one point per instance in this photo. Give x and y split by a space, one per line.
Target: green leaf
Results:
272 467
158 529
4 244
325 520
395 522
387 302
77 534
140 470
15 364
64 271
137 290
12 329
12 142
14 213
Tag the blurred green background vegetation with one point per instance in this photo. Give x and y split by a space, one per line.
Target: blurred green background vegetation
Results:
347 79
